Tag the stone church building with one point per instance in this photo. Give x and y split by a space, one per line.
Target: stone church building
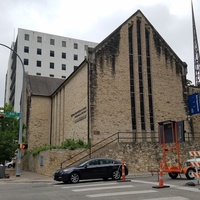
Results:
128 83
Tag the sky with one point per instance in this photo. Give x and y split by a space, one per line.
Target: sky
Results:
94 20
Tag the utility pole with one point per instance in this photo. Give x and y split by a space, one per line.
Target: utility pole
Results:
18 171
196 51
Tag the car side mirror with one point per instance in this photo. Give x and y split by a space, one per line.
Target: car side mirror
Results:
86 166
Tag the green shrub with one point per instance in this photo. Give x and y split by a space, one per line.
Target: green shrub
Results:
70 144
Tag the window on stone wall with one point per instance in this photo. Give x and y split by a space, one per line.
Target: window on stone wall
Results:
131 71
148 61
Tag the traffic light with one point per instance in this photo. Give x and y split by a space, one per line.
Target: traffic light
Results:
24 146
2 115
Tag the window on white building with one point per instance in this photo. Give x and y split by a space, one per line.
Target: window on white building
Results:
26 37
75 46
39 39
52 42
39 63
51 65
75 67
63 55
52 53
39 51
64 44
26 49
75 57
63 67
25 61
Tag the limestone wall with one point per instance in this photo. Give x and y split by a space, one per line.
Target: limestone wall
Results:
140 157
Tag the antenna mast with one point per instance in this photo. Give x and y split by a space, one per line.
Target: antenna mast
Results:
196 51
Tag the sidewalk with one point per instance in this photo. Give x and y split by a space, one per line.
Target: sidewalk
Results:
28 177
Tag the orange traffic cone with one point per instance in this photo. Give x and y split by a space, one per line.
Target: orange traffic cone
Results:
123 172
161 185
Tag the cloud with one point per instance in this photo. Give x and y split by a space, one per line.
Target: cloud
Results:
94 20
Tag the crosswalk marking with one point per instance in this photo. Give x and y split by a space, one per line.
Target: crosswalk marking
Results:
167 198
103 188
88 185
172 186
121 193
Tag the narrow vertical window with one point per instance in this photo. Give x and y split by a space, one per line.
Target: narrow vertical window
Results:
75 45
148 60
140 75
75 57
131 69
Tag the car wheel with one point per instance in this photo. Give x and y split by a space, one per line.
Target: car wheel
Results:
116 175
189 173
74 177
9 166
173 175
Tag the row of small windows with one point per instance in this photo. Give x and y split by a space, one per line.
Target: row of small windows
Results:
52 41
50 75
39 64
52 53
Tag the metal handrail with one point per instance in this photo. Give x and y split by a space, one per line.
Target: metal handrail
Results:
90 149
118 138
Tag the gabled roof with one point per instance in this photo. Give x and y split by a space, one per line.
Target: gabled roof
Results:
43 86
119 27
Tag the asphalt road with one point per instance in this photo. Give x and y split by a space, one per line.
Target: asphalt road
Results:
135 187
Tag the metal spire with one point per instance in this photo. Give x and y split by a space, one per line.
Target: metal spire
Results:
196 51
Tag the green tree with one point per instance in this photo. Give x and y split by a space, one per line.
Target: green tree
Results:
9 130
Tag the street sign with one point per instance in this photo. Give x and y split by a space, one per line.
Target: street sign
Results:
194 103
12 114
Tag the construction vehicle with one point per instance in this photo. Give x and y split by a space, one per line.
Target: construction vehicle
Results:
171 134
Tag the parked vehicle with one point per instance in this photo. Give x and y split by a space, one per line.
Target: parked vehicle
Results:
9 164
95 168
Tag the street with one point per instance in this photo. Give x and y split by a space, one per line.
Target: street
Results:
135 187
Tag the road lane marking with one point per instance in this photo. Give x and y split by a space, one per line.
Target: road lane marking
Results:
167 198
121 193
88 185
173 186
102 188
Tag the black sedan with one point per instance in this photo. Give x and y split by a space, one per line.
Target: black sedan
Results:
94 168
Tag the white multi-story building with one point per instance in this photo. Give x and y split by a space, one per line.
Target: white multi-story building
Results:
42 55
